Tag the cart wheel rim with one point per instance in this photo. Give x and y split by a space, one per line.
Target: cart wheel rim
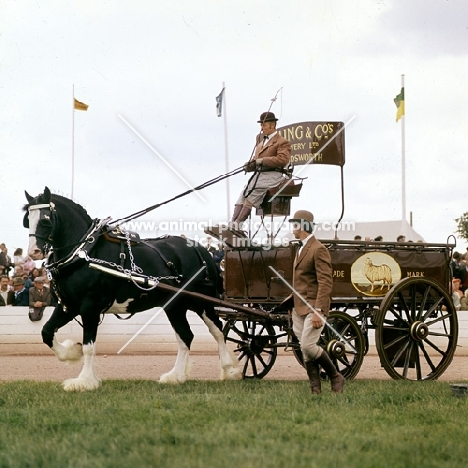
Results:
416 330
256 350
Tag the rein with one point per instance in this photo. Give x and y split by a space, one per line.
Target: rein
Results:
112 225
137 214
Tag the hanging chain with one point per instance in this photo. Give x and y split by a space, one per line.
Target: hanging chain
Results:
135 268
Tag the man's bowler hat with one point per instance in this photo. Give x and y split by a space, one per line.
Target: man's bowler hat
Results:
303 220
302 215
267 117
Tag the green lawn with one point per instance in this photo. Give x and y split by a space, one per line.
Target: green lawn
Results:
233 424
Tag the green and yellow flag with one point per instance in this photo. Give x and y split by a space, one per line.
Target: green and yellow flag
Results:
400 103
80 105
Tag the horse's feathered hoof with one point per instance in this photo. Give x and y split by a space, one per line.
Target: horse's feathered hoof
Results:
172 378
231 373
68 351
81 385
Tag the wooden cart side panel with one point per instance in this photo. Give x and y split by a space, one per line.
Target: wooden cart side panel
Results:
248 274
359 271
372 273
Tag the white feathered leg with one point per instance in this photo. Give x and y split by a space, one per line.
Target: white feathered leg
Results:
228 362
181 369
68 351
87 380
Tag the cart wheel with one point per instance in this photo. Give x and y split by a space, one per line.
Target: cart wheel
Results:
343 340
256 346
417 330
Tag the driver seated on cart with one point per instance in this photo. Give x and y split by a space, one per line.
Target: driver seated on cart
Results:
270 166
310 302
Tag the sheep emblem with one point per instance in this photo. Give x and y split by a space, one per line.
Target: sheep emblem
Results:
376 273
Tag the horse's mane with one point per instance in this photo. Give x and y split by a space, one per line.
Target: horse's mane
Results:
59 199
67 201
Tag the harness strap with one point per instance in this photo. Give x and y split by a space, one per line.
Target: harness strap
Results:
168 263
86 243
202 261
122 253
125 318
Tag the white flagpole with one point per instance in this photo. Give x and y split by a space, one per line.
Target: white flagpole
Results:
73 143
226 153
403 158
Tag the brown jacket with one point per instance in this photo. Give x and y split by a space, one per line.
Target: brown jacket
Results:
276 153
35 296
313 277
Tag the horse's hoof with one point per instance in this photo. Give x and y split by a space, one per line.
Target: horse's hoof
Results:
231 373
81 385
171 378
69 351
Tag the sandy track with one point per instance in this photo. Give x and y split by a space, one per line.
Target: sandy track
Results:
204 367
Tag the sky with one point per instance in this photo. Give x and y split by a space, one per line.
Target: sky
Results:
150 72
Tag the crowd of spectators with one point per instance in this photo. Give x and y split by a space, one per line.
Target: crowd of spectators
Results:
22 283
459 284
216 252
400 238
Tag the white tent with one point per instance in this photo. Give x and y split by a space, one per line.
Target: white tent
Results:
389 230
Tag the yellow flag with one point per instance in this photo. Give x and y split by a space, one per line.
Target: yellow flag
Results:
80 105
400 103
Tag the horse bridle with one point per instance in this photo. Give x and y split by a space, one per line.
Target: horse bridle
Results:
47 211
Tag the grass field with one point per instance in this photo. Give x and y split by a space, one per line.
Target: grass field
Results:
233 424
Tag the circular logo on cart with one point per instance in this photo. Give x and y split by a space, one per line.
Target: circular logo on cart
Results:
374 273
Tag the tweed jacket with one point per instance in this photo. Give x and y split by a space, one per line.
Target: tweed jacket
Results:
276 153
313 277
34 296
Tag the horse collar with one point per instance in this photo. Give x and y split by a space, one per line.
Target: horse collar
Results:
86 243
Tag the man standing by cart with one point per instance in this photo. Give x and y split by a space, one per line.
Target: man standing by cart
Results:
312 282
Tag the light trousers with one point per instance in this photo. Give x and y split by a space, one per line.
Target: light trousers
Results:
307 335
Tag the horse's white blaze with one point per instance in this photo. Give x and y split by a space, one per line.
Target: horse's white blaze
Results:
181 369
33 251
87 379
119 307
67 351
228 362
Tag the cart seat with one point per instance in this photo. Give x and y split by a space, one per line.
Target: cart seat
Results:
289 189
281 204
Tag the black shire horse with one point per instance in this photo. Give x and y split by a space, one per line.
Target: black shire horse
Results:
59 225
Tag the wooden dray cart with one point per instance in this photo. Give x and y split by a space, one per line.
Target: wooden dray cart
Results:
397 291
411 316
